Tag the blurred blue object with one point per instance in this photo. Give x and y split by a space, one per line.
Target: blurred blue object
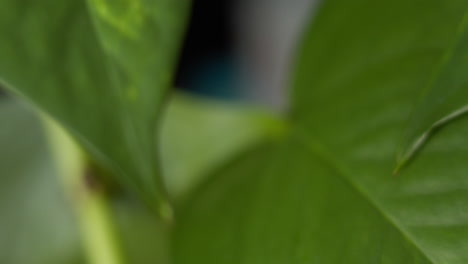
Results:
216 76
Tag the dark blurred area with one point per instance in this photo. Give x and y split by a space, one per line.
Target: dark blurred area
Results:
207 63
242 50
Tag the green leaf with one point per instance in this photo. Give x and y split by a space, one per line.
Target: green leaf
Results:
326 193
287 205
445 100
101 68
36 225
144 236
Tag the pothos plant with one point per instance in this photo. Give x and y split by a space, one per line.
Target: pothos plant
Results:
369 165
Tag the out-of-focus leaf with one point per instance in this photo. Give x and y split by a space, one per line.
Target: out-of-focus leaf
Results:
199 135
144 237
36 225
101 68
327 194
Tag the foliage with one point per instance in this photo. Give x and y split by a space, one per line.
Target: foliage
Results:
369 165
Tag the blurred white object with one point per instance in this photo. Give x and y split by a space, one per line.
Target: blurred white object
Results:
267 31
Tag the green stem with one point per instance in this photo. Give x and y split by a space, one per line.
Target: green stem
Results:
91 204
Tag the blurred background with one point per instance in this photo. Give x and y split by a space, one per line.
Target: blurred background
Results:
233 51
242 49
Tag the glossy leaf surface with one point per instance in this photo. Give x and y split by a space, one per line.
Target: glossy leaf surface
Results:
444 100
327 193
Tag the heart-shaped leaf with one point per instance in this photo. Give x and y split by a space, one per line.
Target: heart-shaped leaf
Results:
100 68
326 193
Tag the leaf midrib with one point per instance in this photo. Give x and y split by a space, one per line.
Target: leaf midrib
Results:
319 150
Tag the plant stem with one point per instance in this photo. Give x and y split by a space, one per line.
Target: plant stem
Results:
90 201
